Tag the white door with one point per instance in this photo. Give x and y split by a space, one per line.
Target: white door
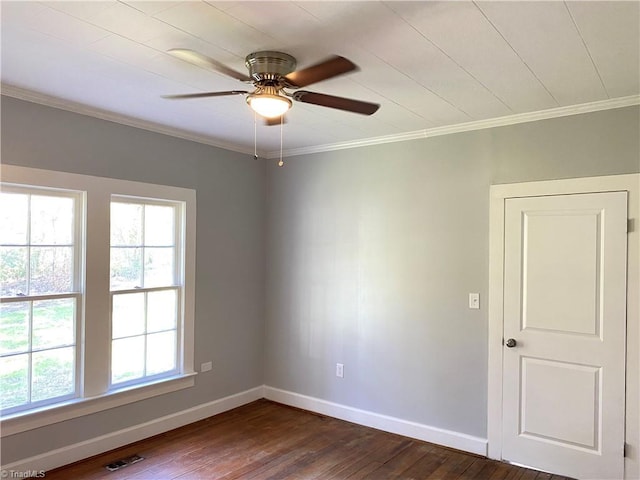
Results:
565 310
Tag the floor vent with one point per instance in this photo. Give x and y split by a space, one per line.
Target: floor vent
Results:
125 462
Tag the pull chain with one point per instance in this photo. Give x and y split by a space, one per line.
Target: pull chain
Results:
281 163
255 136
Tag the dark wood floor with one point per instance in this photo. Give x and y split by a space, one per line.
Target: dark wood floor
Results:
265 440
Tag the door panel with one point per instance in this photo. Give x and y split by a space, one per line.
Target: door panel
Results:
562 301
565 305
564 417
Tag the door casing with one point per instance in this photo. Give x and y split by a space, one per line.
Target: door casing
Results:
499 193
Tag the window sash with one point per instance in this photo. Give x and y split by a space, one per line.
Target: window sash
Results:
178 329
179 229
78 223
30 350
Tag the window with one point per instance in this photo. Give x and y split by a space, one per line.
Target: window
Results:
96 294
40 285
146 288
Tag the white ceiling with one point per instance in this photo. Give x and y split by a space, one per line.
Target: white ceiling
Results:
429 64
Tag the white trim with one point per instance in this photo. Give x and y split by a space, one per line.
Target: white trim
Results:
468 126
50 101
447 438
75 107
59 412
95 392
104 443
499 193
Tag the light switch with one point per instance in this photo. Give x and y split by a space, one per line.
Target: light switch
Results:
474 301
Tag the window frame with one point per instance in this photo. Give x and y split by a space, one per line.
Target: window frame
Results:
177 284
94 393
76 292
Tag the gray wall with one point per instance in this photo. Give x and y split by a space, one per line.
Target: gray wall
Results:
229 323
372 253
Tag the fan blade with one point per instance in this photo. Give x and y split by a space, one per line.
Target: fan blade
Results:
348 104
207 62
331 67
269 122
205 94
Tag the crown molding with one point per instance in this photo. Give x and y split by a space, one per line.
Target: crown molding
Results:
468 126
75 107
50 101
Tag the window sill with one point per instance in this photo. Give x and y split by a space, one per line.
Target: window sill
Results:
40 417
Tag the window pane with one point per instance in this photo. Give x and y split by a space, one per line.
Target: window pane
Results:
51 220
161 352
51 270
159 225
126 268
127 359
14 380
52 373
128 315
126 224
158 266
161 310
14 327
13 271
14 215
53 323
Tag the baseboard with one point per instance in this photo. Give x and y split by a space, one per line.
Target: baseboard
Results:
447 438
79 451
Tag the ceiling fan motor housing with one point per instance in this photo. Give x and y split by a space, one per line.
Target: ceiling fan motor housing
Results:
269 65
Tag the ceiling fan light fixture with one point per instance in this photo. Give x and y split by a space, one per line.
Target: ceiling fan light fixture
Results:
269 105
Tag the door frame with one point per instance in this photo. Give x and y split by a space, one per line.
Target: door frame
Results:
499 193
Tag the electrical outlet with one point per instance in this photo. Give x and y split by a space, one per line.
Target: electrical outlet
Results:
206 366
474 301
339 370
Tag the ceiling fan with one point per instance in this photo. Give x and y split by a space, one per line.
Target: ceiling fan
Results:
272 74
